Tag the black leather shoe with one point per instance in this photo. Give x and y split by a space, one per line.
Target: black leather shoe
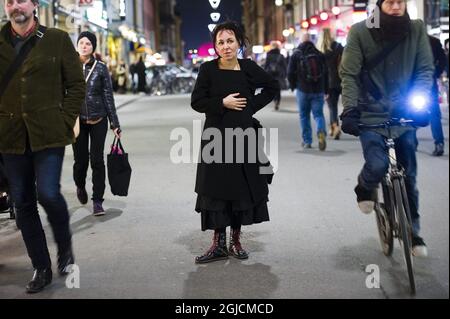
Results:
438 150
65 258
41 278
214 254
82 195
218 250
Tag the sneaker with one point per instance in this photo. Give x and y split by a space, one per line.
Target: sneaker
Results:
98 208
366 199
322 141
306 145
438 150
419 249
82 195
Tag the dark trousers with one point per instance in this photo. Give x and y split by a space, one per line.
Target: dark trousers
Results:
277 97
332 101
83 152
35 176
377 164
435 118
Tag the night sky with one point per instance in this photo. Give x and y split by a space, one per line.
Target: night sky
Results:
195 15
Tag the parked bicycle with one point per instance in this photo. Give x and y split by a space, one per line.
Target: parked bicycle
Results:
392 209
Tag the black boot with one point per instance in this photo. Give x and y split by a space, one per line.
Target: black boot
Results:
65 259
438 149
41 278
235 249
218 250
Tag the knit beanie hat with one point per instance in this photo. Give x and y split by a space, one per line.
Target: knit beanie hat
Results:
91 37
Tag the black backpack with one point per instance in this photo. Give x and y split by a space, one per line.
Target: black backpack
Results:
311 66
273 67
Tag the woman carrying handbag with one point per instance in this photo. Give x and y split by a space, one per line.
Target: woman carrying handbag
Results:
97 108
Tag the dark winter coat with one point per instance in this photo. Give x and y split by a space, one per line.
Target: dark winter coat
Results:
333 58
99 101
44 96
295 76
227 180
408 68
278 61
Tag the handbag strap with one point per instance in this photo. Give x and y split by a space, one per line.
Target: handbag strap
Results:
115 145
20 58
90 72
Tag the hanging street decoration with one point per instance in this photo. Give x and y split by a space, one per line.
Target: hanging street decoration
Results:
214 3
215 16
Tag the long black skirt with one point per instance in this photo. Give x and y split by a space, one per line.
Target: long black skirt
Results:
219 213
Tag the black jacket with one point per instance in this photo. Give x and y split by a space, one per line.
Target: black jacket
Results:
296 80
99 100
221 180
274 57
333 59
440 59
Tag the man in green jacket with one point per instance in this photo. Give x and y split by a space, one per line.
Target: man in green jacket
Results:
406 71
38 110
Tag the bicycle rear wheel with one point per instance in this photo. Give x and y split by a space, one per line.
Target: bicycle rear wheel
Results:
405 231
383 213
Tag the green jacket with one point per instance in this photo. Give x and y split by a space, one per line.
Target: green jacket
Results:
44 96
408 68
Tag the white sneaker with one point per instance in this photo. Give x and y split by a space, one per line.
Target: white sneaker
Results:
419 249
366 206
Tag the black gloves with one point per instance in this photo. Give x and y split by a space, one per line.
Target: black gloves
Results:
350 120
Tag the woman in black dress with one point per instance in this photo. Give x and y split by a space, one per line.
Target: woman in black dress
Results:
230 193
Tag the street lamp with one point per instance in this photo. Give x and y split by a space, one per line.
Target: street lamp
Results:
336 10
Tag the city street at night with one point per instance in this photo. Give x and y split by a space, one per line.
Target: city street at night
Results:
316 245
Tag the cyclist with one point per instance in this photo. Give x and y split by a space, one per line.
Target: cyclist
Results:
404 72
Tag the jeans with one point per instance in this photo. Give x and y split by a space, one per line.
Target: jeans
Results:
377 164
35 176
82 153
306 103
435 118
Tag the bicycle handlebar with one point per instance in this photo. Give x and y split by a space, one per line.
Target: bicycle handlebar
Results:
389 123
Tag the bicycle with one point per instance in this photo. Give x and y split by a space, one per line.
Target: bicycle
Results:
392 212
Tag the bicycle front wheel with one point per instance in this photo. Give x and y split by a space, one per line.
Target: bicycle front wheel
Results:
383 213
405 231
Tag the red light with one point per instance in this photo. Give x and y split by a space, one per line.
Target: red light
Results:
314 20
324 16
305 24
336 10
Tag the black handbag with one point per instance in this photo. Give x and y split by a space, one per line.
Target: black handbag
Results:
119 169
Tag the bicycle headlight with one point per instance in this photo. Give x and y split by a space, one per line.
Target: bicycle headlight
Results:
418 102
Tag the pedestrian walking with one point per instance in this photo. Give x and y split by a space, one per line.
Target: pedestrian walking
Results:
141 75
308 74
440 65
121 75
276 66
97 108
41 91
404 70
333 54
230 193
